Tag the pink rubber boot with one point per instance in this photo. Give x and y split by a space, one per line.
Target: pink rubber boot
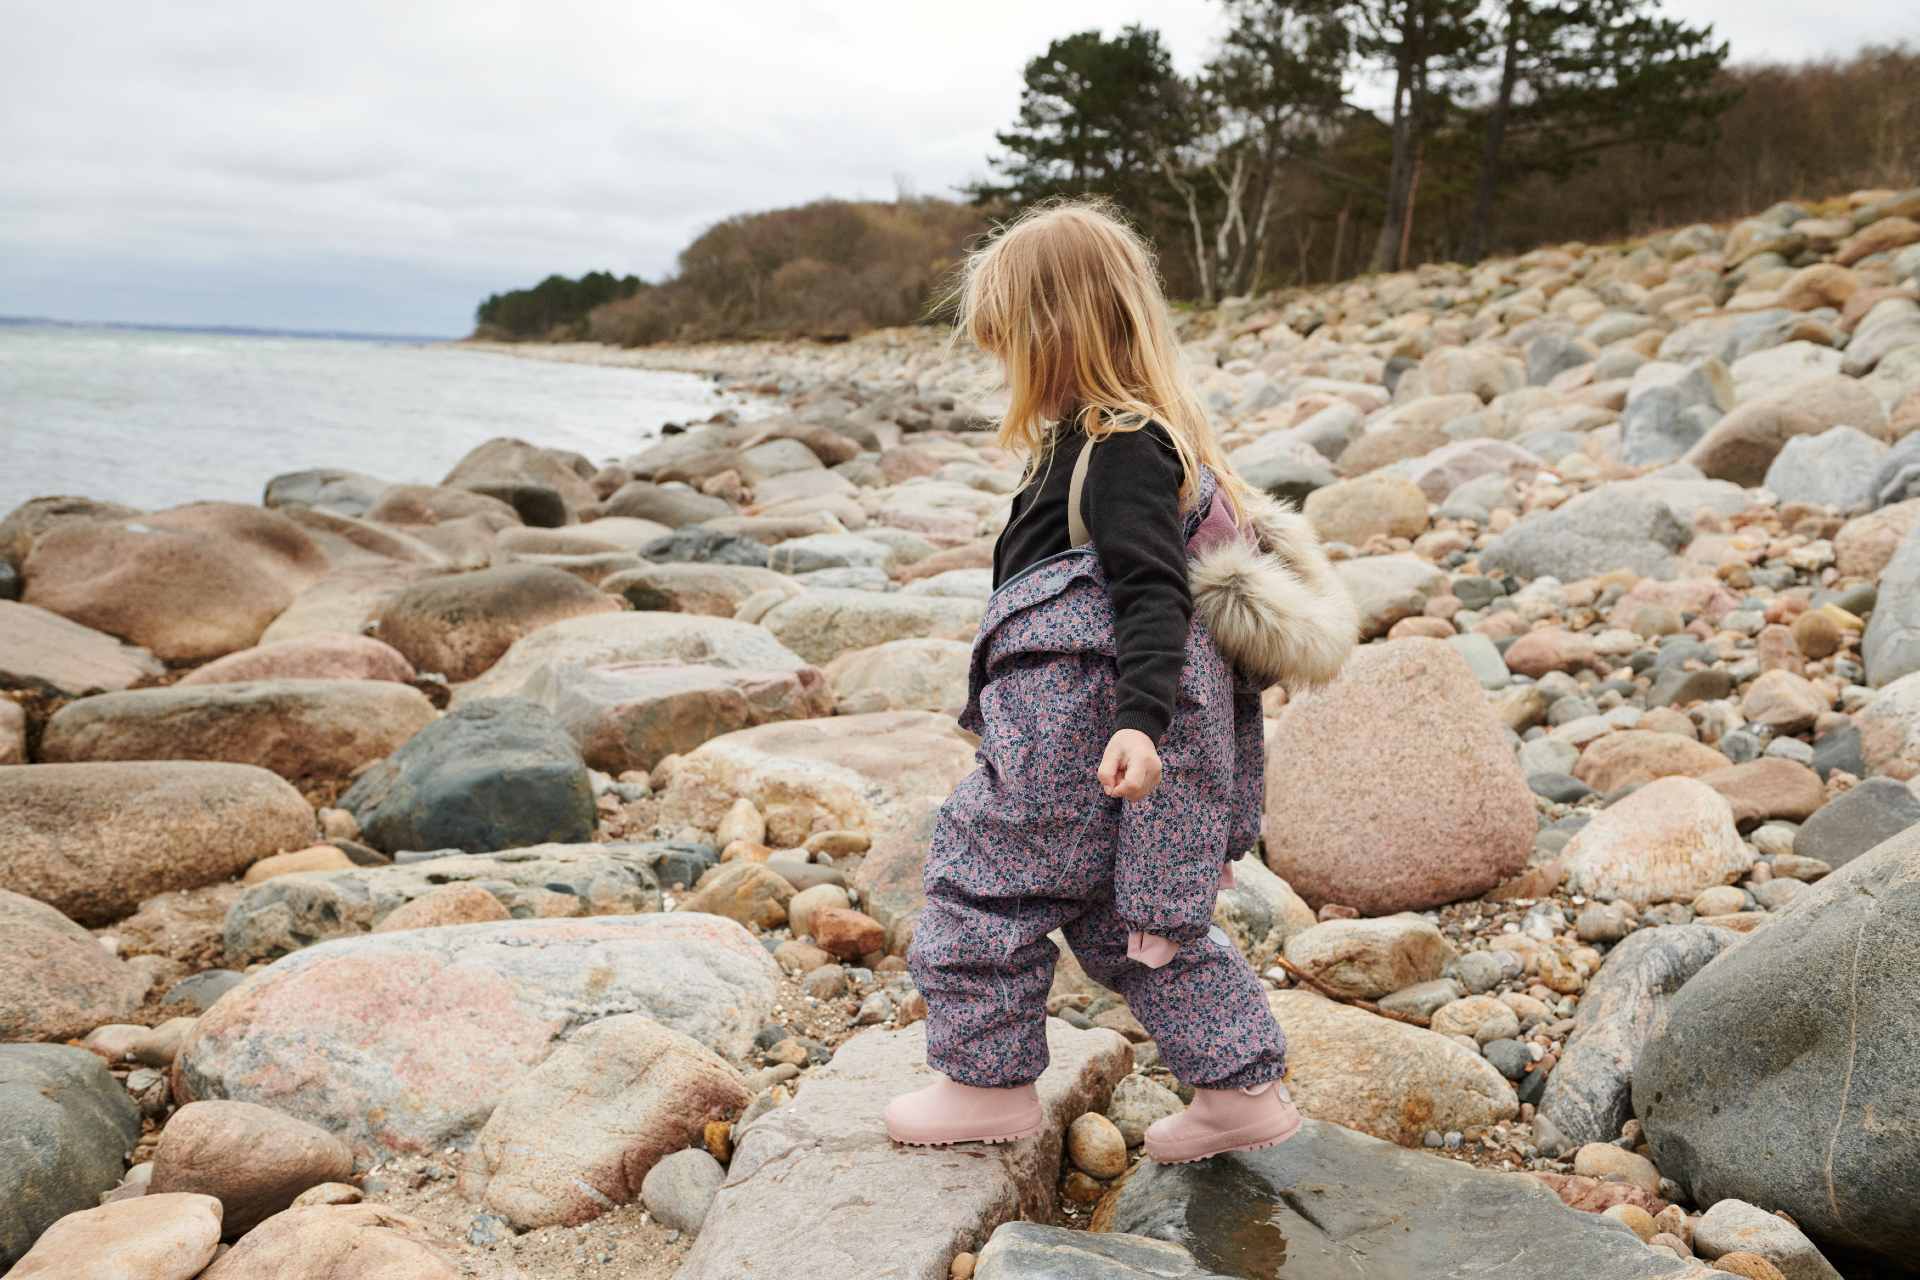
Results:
1222 1120
946 1112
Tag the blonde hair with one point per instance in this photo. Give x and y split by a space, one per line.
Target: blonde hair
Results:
1066 298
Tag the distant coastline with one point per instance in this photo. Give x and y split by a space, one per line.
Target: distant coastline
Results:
225 330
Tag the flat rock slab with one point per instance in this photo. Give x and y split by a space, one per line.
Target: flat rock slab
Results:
1331 1204
816 1188
549 880
40 649
67 1126
1030 1251
405 1042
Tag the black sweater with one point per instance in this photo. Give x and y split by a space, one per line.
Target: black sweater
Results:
1131 505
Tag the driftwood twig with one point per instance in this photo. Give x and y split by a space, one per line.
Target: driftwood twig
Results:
1301 976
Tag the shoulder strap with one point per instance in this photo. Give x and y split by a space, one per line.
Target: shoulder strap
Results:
1077 535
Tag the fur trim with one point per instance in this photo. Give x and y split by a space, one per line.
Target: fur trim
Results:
1272 603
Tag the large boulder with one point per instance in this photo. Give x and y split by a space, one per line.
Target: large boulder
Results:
1858 821
1425 807
347 493
896 1210
498 773
670 505
406 1042
316 657
1390 1079
1665 842
69 1125
254 1161
458 626
188 584
1376 505
1891 647
344 603
43 651
25 524
1334 1204
95 840
1671 406
821 624
1742 446
56 981
542 485
1834 469
335 1242
1612 527
632 637
1788 1073
289 912
859 773
902 675
1890 729
629 715
169 1236
579 1133
1370 958
300 729
1588 1097
1635 757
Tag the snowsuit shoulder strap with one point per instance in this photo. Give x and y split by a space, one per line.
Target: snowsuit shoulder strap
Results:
1077 535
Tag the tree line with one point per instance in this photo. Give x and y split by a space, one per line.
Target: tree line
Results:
1322 140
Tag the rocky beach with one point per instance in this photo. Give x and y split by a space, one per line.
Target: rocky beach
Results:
511 877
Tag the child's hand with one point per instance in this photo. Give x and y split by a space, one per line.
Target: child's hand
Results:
1130 769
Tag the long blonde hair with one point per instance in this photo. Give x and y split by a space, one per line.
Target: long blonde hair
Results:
1066 298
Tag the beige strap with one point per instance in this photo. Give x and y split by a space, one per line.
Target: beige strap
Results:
1077 535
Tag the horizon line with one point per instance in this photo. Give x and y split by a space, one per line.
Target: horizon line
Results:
231 330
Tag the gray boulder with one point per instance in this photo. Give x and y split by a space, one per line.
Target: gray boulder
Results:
1857 821
1670 407
1613 527
1891 646
1835 468
1898 476
1734 1226
1552 354
496 773
1329 1198
347 493
1788 1074
1030 1251
289 912
670 505
67 1126
696 544
1589 1095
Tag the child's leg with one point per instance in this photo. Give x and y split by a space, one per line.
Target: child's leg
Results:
1205 1009
984 965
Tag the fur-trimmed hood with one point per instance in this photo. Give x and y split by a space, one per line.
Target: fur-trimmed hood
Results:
1271 601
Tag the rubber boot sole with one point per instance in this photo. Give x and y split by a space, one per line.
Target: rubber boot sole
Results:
989 1140
1227 1148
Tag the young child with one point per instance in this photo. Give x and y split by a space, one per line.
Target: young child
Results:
1143 597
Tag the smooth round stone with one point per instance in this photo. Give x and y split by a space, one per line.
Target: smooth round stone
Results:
680 1188
1509 1057
1477 971
1096 1147
1721 900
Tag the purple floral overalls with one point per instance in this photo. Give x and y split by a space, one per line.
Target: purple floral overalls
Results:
1029 843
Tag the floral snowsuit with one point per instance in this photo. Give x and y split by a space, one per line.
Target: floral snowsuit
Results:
1029 843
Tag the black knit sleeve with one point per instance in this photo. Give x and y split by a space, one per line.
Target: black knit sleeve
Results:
1131 503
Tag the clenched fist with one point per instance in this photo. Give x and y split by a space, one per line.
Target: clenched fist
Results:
1130 769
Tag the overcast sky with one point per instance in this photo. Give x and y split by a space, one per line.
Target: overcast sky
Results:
382 166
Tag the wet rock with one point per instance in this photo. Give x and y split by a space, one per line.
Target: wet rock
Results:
252 1160
288 913
1589 1095
69 1126
1328 1196
1670 839
494 774
331 1034
300 729
580 1133
1029 1251
1779 1020
1390 1079
94 840
150 1237
1441 781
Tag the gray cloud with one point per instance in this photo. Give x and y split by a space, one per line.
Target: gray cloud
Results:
383 166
